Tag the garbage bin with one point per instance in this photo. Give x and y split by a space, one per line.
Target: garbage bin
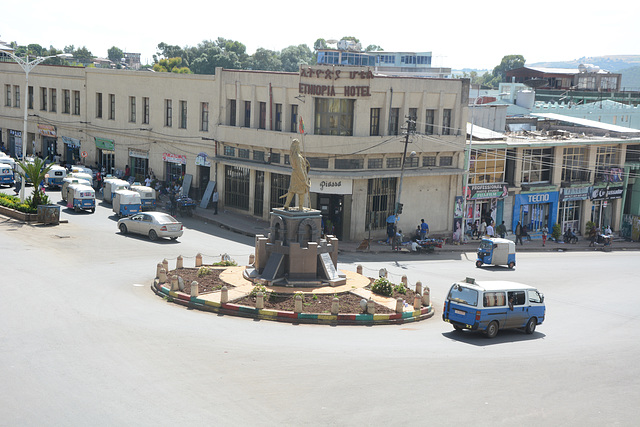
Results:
49 214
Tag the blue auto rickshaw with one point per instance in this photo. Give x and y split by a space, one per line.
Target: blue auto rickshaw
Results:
496 251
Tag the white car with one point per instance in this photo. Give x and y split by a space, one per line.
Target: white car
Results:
152 224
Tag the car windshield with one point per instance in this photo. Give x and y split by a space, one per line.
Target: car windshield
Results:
164 219
463 295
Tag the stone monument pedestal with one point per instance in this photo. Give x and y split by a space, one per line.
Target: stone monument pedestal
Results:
294 254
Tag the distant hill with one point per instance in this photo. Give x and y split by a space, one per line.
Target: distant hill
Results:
613 63
630 78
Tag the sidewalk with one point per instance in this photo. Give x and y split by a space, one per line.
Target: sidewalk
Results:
250 226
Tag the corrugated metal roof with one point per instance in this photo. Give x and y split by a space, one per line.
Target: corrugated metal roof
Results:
586 122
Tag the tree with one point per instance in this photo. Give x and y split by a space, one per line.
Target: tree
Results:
266 60
320 44
509 62
83 55
293 56
115 54
373 48
35 172
69 49
171 65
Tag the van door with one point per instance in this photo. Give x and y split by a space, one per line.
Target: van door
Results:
517 313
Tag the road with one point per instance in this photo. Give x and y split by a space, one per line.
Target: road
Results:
86 342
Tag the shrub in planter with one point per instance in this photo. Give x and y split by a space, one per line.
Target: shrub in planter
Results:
382 286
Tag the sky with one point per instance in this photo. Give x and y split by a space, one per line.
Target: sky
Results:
460 34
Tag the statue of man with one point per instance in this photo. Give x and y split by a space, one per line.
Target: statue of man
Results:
299 176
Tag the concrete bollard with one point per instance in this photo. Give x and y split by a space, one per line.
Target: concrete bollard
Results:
298 304
174 283
179 262
399 305
165 265
335 306
419 288
224 295
259 300
194 289
371 307
417 302
162 276
359 269
199 260
404 280
158 268
426 297
252 259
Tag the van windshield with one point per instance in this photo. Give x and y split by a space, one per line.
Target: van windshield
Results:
463 295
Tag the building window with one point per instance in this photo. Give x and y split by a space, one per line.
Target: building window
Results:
575 165
279 187
318 162
132 109
374 122
429 122
53 99
232 112
7 95
263 115
487 166
446 161
374 163
236 187
536 165
349 163
393 121
168 113
294 118
334 116
413 117
183 114
411 162
112 106
606 158
394 162
258 155
446 121
381 202
67 101
229 151
243 153
204 116
278 123
429 161
76 103
274 158
145 107
258 193
30 98
16 97
43 99
247 114
98 105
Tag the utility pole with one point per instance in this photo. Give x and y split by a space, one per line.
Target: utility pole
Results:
411 126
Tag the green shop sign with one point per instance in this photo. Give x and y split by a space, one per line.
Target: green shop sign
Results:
105 144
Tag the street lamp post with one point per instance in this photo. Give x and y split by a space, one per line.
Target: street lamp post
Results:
27 66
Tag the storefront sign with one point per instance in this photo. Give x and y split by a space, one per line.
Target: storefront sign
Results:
487 191
201 160
140 154
332 81
607 193
71 142
47 130
574 193
15 133
331 186
174 158
105 144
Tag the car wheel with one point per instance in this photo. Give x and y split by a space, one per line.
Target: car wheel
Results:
153 235
531 325
512 264
492 330
478 264
174 238
123 229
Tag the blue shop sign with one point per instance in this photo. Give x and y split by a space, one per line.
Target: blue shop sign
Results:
522 200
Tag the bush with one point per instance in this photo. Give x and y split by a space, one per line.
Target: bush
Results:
557 232
203 271
382 286
589 226
13 202
401 289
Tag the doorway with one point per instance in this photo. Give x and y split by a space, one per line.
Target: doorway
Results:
332 209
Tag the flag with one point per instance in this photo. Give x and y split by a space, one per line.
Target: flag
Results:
301 126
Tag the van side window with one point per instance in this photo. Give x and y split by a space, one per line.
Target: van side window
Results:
516 297
534 296
494 299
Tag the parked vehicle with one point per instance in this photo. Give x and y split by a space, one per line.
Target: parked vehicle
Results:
489 306
186 205
152 224
54 178
81 197
6 175
111 185
496 251
66 182
126 202
8 160
147 195
81 169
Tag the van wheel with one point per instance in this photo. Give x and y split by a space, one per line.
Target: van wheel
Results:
153 235
512 264
93 210
531 325
492 330
457 328
478 264
123 229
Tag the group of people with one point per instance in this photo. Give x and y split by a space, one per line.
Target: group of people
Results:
478 230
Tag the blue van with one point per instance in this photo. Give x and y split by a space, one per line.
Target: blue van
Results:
489 306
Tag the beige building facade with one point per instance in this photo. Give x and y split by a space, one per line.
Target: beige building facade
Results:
235 128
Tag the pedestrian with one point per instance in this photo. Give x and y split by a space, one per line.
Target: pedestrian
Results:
127 173
545 230
490 231
397 240
501 230
424 229
483 229
173 203
214 200
519 233
147 181
390 232
592 236
474 229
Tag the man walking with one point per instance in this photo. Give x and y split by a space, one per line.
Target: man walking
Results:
490 231
214 200
519 233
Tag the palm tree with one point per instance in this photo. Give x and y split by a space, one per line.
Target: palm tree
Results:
35 172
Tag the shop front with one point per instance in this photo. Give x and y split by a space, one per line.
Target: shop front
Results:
174 166
49 141
603 202
15 143
571 206
535 210
332 196
139 164
71 149
203 170
106 155
485 202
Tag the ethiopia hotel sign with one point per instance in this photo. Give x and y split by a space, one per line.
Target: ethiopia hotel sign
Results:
335 81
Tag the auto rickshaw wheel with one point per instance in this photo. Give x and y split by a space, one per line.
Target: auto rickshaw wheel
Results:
512 264
123 229
478 263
